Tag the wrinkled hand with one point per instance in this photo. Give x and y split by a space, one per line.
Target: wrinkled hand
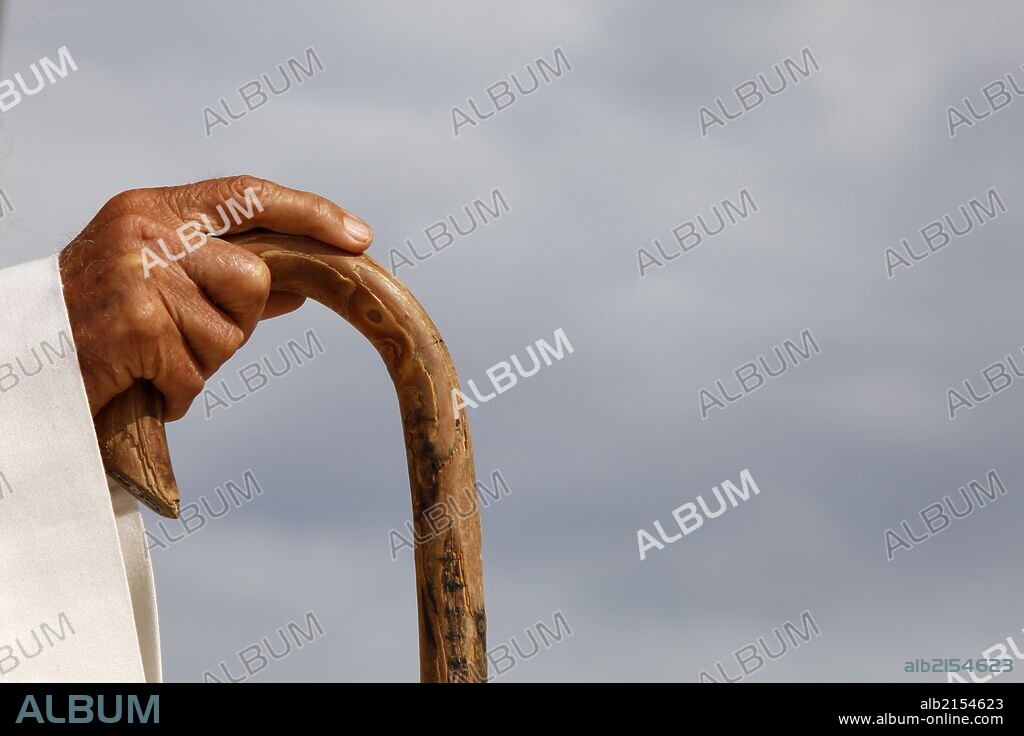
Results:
176 324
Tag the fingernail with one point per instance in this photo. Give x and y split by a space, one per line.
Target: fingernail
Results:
358 229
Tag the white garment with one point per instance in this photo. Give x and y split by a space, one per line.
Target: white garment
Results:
77 601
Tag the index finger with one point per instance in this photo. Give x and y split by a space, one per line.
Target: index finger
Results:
239 203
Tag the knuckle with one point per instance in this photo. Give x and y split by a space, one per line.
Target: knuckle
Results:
141 316
130 200
226 343
239 185
254 278
135 226
122 200
235 339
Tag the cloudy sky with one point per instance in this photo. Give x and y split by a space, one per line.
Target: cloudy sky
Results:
593 165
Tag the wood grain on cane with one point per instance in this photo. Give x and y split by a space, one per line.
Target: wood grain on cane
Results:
449 568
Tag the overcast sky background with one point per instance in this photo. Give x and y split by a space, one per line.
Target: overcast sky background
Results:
602 443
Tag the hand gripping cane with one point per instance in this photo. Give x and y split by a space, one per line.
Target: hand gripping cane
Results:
449 568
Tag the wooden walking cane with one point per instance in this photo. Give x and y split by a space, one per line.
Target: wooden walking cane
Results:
449 568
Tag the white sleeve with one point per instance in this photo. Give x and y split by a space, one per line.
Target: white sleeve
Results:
76 583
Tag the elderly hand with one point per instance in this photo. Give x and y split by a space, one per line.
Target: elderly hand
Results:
152 293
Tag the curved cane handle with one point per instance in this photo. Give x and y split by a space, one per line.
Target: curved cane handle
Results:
449 568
